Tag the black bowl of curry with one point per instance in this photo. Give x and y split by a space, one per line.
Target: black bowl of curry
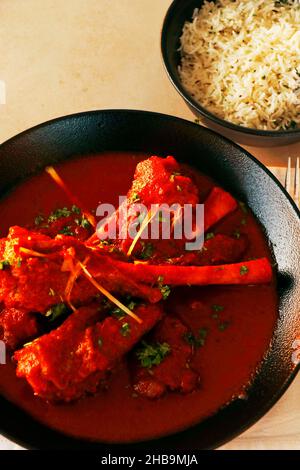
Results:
136 341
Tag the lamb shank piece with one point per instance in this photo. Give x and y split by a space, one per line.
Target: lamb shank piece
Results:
219 249
73 359
36 278
160 181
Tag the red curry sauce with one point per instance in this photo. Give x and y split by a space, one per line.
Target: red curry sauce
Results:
238 321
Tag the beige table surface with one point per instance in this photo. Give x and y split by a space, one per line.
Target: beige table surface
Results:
61 57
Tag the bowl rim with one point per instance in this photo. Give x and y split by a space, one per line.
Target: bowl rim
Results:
197 107
152 443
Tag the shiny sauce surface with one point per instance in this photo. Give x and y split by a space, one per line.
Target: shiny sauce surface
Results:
237 340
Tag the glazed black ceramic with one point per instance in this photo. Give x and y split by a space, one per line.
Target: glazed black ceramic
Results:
235 170
179 12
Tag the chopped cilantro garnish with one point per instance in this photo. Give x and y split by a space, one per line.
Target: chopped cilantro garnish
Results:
4 264
75 209
135 197
203 333
58 214
39 219
165 291
217 308
199 340
118 313
66 231
223 326
190 338
83 222
209 236
244 270
131 305
56 311
125 329
152 354
147 251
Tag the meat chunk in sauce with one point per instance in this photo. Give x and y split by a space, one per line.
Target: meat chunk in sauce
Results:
174 371
49 273
17 326
73 359
160 180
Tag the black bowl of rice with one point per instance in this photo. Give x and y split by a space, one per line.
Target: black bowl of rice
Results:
237 66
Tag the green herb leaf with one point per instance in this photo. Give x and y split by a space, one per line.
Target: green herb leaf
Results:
56 311
85 223
244 270
164 289
223 326
197 341
147 251
135 197
209 236
39 219
203 333
75 209
4 264
217 308
132 305
66 231
118 313
152 354
125 329
58 214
